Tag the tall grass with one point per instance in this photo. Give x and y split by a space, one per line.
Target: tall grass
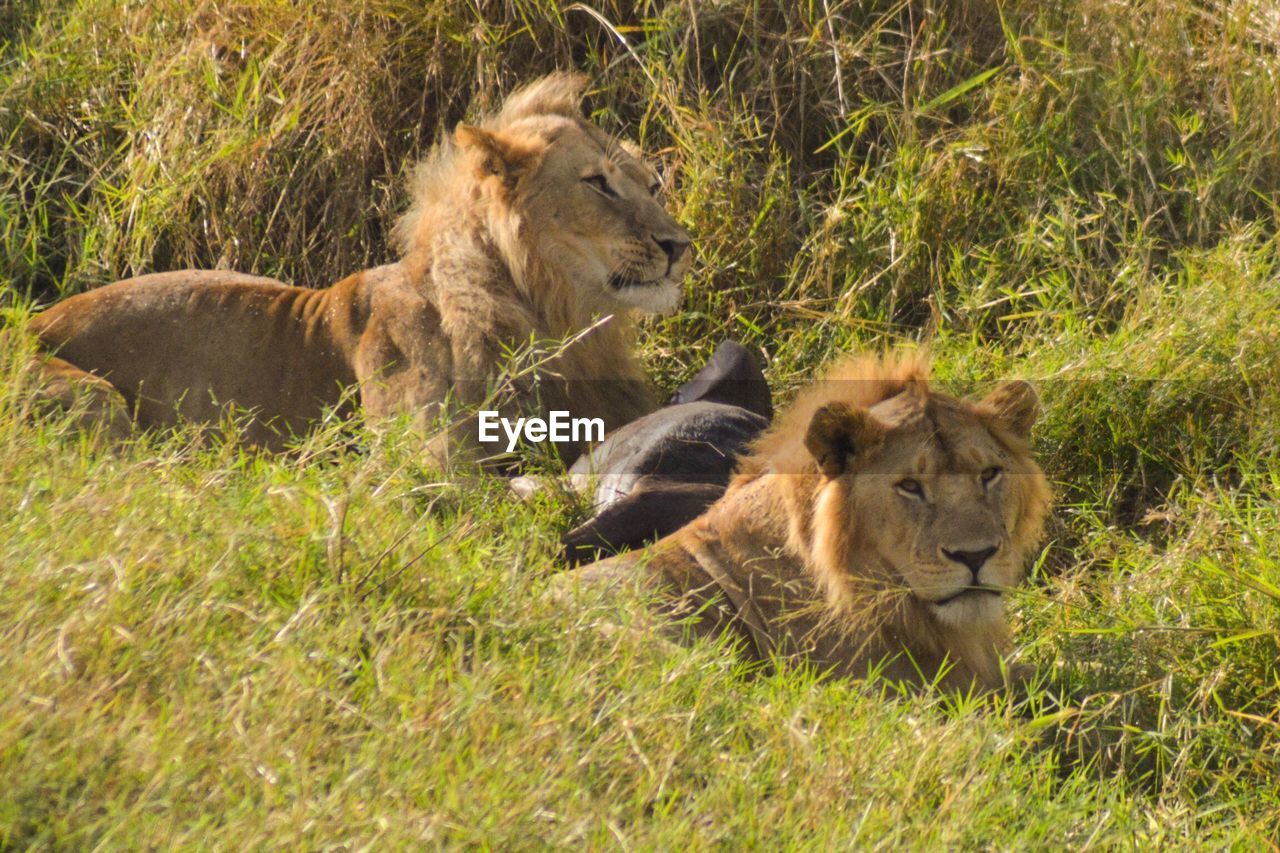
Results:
335 646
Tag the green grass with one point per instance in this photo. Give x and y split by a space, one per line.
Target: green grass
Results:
204 646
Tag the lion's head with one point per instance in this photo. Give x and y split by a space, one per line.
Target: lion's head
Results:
574 212
903 492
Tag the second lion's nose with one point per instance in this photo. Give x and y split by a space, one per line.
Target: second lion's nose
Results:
974 560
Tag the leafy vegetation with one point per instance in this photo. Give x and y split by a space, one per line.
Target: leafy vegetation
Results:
336 647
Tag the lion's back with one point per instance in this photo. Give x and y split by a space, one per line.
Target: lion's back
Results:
199 339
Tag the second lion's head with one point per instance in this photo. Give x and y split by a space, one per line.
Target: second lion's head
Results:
902 491
575 212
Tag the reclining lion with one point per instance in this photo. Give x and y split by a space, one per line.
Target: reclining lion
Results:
878 524
532 225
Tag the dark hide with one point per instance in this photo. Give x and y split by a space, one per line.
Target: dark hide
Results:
661 471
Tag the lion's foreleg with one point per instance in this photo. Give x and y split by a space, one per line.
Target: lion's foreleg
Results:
421 394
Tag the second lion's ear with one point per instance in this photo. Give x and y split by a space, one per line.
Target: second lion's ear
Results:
496 153
1016 406
837 432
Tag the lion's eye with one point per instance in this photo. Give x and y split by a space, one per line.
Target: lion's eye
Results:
911 487
991 474
600 184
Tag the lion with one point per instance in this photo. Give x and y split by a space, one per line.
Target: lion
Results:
875 528
532 225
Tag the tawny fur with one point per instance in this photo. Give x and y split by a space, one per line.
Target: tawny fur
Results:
837 566
504 245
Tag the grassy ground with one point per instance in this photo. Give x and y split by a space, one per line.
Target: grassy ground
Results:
203 646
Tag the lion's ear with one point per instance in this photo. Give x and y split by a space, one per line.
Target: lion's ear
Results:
837 432
497 154
1016 405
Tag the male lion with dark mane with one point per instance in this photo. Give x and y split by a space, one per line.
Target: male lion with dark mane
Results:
876 526
533 225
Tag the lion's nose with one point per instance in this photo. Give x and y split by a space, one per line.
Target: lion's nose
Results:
975 560
674 248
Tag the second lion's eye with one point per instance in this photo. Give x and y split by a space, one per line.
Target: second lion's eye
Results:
991 474
910 487
600 184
